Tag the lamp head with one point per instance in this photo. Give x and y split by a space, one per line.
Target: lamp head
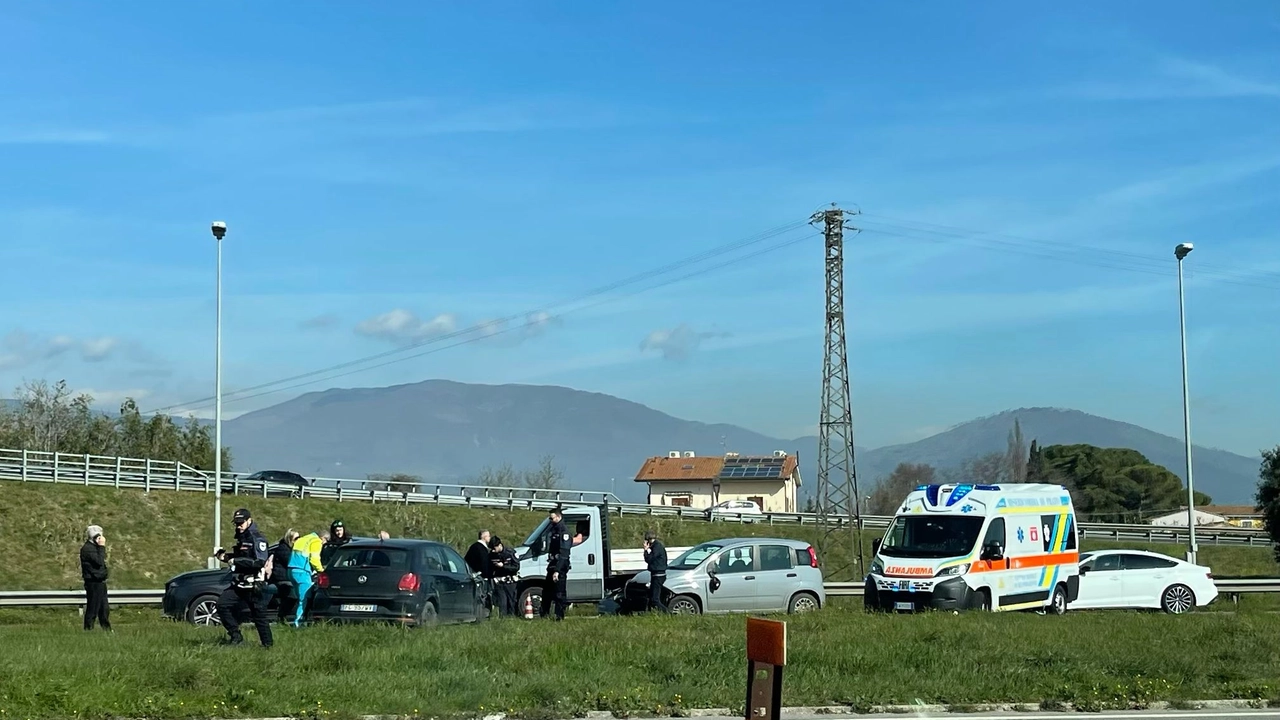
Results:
1183 250
219 229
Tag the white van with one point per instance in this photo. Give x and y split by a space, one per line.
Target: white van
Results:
990 547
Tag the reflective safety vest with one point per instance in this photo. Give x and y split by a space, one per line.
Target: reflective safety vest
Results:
306 552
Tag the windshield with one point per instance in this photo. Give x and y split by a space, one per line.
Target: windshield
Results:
387 558
937 536
537 532
694 556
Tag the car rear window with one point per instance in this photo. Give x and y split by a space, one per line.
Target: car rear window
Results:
390 558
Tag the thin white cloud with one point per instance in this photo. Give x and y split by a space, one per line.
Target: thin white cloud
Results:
678 343
534 325
1175 79
405 327
49 136
113 398
19 349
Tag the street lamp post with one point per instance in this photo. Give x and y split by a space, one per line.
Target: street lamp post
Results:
219 230
1181 252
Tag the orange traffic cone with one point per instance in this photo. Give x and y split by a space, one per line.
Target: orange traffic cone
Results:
528 607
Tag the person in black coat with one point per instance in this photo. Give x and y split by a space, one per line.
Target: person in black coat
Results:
93 568
655 557
477 559
504 572
338 536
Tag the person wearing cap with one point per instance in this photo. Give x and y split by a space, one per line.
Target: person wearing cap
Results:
338 536
93 568
248 561
556 586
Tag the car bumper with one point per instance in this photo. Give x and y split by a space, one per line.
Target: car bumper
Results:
405 611
172 606
950 594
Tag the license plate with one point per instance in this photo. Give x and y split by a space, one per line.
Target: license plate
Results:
359 608
904 606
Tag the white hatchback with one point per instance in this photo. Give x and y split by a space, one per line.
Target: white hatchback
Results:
1140 579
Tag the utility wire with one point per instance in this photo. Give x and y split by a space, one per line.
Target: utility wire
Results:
1077 254
504 324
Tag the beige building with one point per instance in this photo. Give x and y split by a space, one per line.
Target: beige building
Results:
1241 516
772 482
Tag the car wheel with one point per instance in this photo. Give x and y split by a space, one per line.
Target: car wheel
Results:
684 605
1178 599
428 617
1058 604
203 611
803 602
533 596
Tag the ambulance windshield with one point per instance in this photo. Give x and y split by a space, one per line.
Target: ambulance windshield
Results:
935 536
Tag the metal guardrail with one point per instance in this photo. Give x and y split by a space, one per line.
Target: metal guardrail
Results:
148 475
75 598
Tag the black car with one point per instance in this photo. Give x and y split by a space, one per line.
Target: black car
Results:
414 582
193 596
284 482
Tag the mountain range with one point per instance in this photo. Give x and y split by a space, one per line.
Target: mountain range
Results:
448 432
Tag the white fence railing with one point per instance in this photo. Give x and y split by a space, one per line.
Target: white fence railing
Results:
148 475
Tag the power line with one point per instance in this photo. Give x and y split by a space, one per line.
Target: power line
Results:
1077 254
359 365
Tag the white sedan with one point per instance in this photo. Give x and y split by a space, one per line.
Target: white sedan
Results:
1140 579
743 510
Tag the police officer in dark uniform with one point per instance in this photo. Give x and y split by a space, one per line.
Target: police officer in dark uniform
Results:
558 545
245 594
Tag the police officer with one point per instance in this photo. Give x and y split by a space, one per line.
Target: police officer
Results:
558 545
245 593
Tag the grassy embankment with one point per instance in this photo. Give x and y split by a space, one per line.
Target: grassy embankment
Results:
152 537
633 666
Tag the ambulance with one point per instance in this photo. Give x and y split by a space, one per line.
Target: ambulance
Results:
988 547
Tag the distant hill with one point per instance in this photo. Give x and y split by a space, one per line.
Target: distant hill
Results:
447 431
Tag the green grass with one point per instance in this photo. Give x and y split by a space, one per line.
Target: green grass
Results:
152 537
633 666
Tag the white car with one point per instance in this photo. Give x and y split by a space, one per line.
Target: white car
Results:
1140 579
744 510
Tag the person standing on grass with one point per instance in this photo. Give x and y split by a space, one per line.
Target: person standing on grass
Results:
93 568
244 595
504 569
282 578
304 565
655 557
556 586
477 558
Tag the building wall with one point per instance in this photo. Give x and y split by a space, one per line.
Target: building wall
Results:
1179 519
777 496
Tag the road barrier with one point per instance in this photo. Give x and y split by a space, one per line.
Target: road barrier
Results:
148 475
1231 587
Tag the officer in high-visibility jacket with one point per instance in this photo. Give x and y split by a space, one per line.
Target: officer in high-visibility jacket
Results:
304 564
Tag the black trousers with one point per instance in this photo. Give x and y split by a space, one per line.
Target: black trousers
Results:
234 603
505 599
656 583
286 600
96 606
557 590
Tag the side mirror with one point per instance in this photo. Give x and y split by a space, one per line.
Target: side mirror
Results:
715 583
992 552
539 547
1084 569
875 546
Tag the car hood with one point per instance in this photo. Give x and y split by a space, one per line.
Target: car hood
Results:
198 575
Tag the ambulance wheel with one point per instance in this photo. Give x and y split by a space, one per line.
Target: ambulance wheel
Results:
1058 603
984 600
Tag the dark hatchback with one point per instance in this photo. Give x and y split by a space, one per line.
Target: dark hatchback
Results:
193 596
414 582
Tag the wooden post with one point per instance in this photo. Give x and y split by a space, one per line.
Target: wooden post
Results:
766 656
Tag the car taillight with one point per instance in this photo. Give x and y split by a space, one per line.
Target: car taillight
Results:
323 581
409 583
813 557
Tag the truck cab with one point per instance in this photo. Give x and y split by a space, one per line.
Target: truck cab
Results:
590 576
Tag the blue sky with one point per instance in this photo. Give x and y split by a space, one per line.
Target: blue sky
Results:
391 172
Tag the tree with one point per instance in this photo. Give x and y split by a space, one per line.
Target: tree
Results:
891 490
1016 456
1115 484
1035 465
395 482
544 477
988 469
1268 495
504 476
51 419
